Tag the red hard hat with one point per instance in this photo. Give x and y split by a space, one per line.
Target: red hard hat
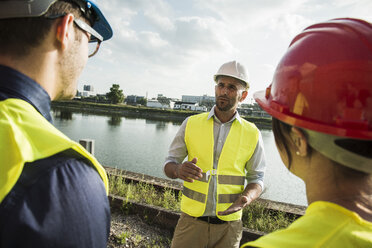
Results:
324 80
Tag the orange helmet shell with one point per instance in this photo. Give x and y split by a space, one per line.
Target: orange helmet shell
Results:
324 80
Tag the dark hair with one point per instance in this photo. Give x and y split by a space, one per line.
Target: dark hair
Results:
279 129
360 147
19 35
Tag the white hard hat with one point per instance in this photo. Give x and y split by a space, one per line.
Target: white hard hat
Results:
233 69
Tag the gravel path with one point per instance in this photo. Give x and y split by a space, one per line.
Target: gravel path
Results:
131 231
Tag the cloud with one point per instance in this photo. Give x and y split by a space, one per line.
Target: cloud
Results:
162 22
175 47
357 8
199 34
289 25
148 34
242 14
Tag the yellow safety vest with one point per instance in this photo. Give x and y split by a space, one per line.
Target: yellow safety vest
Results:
325 224
26 136
237 150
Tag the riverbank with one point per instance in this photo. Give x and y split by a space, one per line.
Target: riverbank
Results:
175 185
118 110
145 210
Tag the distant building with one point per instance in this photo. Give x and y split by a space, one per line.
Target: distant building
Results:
191 99
245 111
193 106
88 88
153 103
88 91
134 100
85 93
201 100
260 113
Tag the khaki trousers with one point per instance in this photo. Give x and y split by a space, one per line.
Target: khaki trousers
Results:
191 232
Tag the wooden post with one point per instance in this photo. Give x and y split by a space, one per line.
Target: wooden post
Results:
88 144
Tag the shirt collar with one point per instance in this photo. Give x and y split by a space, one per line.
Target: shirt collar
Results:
17 85
213 114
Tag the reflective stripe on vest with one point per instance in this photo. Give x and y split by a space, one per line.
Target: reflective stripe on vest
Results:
225 179
26 136
237 150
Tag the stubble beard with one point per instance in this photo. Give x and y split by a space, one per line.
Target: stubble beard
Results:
71 64
220 107
224 107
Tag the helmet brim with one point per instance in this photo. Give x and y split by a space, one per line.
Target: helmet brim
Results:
101 25
282 113
229 75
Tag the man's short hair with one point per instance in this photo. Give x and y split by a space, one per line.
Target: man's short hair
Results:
19 35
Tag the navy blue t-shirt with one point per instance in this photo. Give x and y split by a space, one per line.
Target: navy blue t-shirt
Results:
59 201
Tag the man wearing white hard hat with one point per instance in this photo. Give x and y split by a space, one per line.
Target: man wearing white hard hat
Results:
225 168
53 193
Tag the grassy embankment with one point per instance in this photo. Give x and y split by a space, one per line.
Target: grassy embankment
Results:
256 216
140 112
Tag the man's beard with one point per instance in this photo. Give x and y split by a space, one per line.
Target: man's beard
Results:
223 107
72 66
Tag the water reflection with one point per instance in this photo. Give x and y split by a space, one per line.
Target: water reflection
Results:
114 120
63 115
129 117
147 121
160 125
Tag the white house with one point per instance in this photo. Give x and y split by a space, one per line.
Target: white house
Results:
153 103
189 106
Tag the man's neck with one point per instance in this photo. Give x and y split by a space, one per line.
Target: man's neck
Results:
37 68
224 116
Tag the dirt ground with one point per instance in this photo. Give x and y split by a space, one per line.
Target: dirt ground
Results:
131 231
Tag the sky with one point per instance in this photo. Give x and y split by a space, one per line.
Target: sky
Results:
174 47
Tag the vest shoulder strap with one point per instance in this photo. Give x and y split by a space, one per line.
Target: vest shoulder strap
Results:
30 137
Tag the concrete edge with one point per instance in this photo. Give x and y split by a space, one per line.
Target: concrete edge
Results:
161 217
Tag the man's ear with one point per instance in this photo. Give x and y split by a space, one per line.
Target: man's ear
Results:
244 95
65 30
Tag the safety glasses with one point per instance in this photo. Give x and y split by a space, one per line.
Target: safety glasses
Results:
95 38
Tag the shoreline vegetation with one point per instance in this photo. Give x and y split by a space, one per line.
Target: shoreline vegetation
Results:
121 110
155 203
262 215
256 217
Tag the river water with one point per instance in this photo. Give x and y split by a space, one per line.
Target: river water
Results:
141 145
